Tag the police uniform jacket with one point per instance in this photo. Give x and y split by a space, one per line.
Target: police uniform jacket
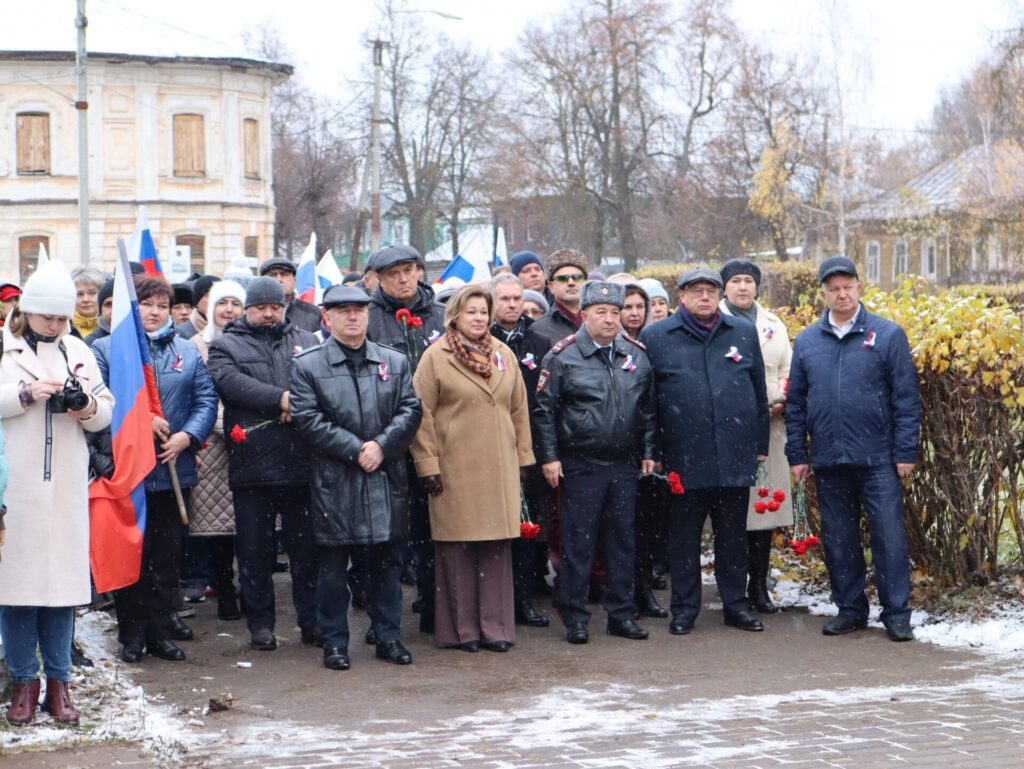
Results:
592 409
712 401
338 405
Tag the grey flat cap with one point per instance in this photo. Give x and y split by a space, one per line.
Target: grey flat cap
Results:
602 292
836 265
336 296
699 275
264 291
392 255
277 264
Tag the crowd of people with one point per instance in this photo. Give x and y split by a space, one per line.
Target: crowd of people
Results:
482 442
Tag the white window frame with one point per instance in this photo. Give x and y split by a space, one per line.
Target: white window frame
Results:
929 271
896 259
873 262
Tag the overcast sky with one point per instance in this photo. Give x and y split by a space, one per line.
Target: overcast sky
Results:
910 49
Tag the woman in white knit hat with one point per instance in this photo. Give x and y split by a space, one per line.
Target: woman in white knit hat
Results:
213 512
44 571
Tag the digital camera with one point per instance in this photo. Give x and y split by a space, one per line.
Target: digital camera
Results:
71 398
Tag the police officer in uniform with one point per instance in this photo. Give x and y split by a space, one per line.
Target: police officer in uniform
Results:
595 418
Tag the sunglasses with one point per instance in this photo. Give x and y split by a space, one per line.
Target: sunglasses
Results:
577 278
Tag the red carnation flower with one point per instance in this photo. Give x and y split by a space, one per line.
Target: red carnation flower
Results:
772 506
675 483
415 322
779 495
528 530
760 508
404 317
763 491
237 434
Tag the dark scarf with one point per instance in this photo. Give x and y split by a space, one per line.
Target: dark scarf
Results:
476 356
32 339
701 329
510 337
750 313
575 317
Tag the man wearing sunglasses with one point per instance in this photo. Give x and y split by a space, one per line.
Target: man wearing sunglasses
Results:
567 272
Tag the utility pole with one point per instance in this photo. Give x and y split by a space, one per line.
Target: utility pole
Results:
82 105
378 66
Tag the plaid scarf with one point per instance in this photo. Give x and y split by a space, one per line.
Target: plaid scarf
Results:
476 356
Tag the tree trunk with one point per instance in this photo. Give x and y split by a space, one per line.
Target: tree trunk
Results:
779 242
357 240
454 222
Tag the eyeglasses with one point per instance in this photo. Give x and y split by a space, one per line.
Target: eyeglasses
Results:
579 277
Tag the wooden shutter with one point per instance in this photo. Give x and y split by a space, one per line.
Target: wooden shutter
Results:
28 254
189 146
197 243
33 143
251 143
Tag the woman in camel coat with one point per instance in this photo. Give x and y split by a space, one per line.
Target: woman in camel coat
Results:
472 442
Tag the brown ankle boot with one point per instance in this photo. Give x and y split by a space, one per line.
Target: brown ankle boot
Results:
58 702
24 698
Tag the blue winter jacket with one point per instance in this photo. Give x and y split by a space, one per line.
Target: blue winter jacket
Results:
187 397
856 398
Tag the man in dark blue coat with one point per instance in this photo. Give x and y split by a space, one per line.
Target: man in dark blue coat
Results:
712 429
853 392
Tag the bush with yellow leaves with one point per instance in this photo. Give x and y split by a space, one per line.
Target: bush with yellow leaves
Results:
782 283
965 502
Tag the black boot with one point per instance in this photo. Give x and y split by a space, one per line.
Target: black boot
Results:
759 544
647 604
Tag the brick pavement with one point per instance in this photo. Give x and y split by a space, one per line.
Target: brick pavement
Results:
718 699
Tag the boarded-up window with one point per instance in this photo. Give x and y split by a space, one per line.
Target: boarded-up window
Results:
251 143
189 146
197 245
28 254
252 247
33 143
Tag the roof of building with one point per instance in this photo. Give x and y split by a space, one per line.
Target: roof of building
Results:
234 62
978 178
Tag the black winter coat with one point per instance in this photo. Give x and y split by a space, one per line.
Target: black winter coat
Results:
592 409
385 329
555 325
251 368
712 405
303 315
530 348
338 406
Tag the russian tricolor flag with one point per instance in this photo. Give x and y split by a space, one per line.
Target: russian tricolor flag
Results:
141 247
460 268
117 506
305 273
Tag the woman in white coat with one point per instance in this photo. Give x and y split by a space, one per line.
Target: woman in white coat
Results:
44 571
742 278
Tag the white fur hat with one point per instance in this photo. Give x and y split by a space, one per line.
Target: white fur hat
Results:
222 289
49 291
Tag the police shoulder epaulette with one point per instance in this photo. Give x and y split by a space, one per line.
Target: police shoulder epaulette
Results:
563 344
637 342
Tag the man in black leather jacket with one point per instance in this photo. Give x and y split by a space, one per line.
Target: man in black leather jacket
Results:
353 403
596 432
269 471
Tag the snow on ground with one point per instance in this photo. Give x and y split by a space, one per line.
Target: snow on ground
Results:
113 708
1001 632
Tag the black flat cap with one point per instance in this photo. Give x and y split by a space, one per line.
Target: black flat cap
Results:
392 255
699 275
336 296
182 294
277 264
836 265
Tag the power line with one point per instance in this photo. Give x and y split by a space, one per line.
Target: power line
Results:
234 49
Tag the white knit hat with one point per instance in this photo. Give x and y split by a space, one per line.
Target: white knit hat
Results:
220 290
49 291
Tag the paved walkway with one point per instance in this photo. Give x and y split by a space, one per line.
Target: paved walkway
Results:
719 698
